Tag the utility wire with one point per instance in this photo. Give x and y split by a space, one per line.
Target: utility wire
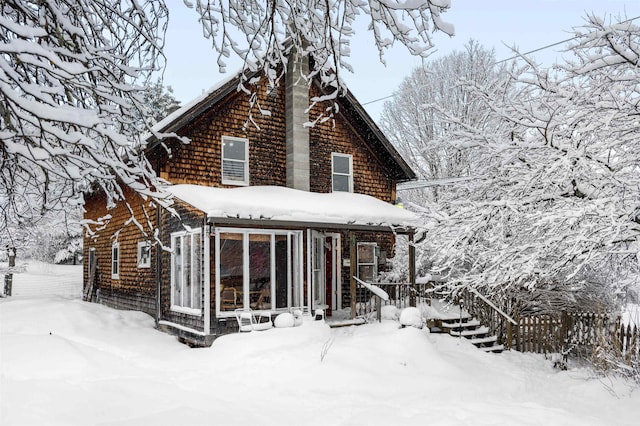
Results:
511 58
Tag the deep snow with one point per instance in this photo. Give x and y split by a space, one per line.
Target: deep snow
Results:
64 361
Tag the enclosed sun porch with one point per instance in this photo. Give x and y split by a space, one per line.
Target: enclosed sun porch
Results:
272 250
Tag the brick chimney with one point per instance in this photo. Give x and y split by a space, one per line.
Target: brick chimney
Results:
297 136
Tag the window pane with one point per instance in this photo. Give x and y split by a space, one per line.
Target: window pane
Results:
115 259
233 170
341 164
366 272
282 271
366 253
233 150
341 183
186 256
196 274
231 272
296 280
92 259
144 254
260 271
177 270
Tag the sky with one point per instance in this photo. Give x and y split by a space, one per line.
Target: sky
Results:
525 24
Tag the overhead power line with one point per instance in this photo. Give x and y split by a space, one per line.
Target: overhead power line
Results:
425 183
511 58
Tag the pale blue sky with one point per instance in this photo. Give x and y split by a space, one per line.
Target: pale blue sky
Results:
527 24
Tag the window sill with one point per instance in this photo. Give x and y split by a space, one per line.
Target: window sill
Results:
234 183
187 311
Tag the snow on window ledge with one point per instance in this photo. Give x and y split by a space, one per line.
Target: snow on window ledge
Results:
187 311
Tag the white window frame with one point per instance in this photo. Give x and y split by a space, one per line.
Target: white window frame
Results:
374 263
144 263
115 261
295 281
178 306
245 162
334 173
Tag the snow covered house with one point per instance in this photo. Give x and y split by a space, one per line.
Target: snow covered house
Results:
273 215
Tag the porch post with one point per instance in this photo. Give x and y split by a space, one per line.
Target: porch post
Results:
207 276
352 272
412 271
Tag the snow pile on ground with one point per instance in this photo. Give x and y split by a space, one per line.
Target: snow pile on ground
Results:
45 279
64 361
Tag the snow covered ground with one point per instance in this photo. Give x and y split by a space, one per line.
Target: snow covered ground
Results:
64 361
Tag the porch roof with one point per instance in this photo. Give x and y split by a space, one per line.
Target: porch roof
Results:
281 204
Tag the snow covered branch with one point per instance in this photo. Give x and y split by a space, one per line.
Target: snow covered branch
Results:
557 152
70 100
263 32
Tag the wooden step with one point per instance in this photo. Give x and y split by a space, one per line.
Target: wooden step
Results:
484 340
478 331
458 324
494 348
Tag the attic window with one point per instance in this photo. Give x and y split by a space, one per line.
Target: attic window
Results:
341 172
235 164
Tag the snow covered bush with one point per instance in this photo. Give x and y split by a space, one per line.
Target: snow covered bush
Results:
411 317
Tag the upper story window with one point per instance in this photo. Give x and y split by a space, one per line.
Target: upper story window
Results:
235 161
341 172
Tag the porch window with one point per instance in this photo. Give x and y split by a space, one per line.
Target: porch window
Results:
186 272
235 161
115 261
342 172
258 269
144 254
367 261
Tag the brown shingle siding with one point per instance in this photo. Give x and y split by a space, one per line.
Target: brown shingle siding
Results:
135 288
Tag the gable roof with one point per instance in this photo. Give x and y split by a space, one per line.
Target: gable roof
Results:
369 131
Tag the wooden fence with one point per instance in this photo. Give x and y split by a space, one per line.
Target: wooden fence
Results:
578 333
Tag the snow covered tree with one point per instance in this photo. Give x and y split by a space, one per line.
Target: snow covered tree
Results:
71 76
264 32
159 100
557 205
413 121
70 101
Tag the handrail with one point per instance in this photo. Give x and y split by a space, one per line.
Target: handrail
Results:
373 288
498 310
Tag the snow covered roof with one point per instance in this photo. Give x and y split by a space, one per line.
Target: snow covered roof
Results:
177 118
277 203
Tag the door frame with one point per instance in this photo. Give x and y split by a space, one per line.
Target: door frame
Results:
334 240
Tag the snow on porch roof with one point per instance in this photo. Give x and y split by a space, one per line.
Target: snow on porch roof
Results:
279 203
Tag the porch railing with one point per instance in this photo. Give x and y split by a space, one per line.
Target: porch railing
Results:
499 322
400 296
